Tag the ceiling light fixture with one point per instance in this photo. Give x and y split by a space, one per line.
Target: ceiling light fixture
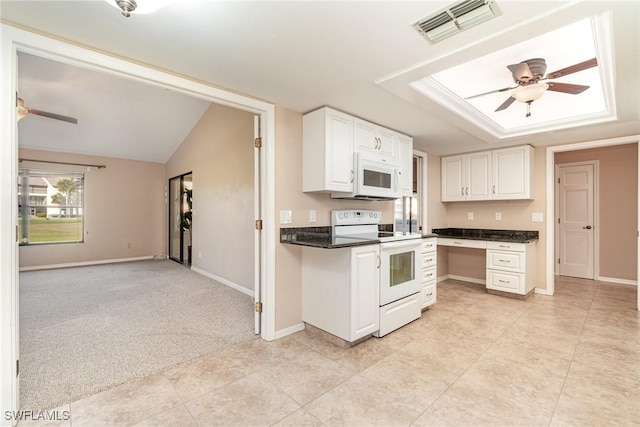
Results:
138 7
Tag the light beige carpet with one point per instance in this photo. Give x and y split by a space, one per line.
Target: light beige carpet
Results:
86 329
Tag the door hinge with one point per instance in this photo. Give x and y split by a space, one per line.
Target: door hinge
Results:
258 307
558 180
17 367
258 224
558 260
558 220
258 142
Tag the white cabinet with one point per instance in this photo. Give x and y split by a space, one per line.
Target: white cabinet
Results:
376 139
429 271
341 290
331 139
466 177
511 267
503 174
512 173
327 151
405 153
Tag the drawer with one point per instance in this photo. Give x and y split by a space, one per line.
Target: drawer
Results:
429 260
506 246
506 261
462 243
429 245
428 294
506 282
428 274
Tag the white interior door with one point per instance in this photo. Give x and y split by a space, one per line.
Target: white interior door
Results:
576 220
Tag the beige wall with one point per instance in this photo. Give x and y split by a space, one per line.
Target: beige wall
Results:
219 152
289 196
618 206
123 205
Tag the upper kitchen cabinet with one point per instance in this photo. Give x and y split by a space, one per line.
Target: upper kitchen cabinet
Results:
405 153
503 174
512 173
466 177
332 139
376 139
327 151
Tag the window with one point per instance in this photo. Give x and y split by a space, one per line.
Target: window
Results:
407 209
50 207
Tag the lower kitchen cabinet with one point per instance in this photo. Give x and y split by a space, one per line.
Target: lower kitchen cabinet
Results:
429 271
510 267
341 290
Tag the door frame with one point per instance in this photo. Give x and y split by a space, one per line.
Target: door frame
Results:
550 191
14 40
181 178
596 213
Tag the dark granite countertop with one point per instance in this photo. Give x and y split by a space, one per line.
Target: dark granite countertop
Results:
514 236
427 235
320 237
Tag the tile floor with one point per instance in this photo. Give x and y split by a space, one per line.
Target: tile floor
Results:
473 359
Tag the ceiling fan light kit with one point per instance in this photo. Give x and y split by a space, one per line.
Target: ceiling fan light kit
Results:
529 93
138 7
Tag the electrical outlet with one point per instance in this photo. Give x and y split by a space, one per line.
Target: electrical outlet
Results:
498 216
285 217
199 254
537 217
470 215
312 216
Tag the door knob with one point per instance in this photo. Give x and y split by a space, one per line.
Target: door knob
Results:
587 227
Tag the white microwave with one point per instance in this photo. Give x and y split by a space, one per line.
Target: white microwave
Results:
374 178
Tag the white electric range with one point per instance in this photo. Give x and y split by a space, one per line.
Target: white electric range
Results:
399 265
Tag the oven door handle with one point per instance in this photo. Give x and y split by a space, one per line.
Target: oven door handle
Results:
401 244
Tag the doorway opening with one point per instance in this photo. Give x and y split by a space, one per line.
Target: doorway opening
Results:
180 218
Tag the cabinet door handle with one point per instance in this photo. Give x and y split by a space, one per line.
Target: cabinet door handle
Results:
352 176
379 261
467 191
462 191
494 189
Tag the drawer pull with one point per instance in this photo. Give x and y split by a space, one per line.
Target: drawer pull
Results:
430 294
504 260
458 243
504 246
504 281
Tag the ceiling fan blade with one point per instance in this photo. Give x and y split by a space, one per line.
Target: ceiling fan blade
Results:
521 72
493 91
567 88
506 104
573 69
53 116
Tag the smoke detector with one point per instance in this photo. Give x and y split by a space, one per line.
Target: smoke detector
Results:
456 18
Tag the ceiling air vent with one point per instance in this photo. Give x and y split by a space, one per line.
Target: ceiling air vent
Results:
456 18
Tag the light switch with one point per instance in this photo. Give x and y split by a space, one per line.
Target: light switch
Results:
285 217
469 215
312 215
537 217
498 216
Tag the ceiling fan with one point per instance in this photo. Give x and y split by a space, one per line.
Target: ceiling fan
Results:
22 111
528 76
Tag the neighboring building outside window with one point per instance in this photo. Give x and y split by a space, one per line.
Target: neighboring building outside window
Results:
51 211
407 209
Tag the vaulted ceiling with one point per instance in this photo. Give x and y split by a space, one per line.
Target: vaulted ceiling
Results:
359 57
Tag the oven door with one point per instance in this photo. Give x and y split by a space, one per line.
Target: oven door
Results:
399 270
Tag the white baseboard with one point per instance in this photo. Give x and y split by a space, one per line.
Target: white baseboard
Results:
468 279
541 291
290 330
85 263
224 281
614 280
442 278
